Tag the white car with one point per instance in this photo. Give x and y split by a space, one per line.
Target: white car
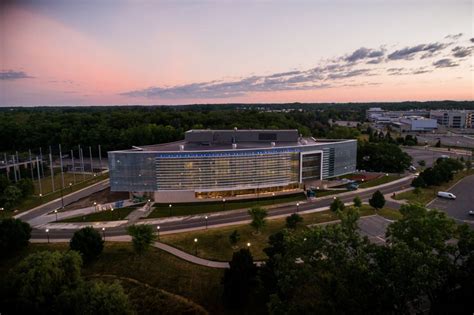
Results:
447 195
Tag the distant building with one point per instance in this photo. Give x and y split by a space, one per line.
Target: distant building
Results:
217 164
415 124
345 123
454 118
375 114
372 113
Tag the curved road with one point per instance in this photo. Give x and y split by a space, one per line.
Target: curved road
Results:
235 217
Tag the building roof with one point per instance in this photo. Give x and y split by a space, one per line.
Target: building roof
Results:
187 146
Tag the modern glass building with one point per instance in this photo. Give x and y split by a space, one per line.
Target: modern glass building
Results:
229 163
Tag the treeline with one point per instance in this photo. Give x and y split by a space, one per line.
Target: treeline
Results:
442 172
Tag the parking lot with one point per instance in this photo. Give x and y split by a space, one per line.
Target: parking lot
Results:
458 208
429 155
447 140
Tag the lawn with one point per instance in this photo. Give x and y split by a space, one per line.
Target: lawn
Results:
322 193
34 201
379 181
106 215
214 243
156 269
428 194
163 210
47 185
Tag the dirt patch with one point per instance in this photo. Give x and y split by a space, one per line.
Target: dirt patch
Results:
101 197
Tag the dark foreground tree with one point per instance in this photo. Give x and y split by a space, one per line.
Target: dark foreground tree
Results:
51 283
88 242
239 280
377 201
14 235
142 237
293 220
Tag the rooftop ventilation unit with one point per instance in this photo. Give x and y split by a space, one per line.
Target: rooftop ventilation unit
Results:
272 144
181 147
234 146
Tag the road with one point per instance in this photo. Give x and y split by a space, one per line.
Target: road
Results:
70 198
430 156
234 217
458 208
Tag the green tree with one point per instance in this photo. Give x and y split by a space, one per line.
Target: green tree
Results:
11 196
337 205
468 164
239 279
142 237
438 144
418 182
357 202
26 186
293 220
88 242
234 238
258 216
14 235
381 157
377 201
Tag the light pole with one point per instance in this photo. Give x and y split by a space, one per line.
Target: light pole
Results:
170 205
273 198
206 220
56 213
95 206
223 200
70 186
297 207
103 233
62 199
157 232
248 246
195 247
47 234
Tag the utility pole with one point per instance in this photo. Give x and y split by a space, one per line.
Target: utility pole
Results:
31 165
14 168
41 158
90 157
61 164
51 168
100 159
18 162
39 177
72 168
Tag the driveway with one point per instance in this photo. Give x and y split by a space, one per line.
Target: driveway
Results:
374 227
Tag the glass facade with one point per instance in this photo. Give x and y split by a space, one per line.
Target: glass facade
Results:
210 171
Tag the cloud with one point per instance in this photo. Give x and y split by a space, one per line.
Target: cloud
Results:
408 53
363 53
13 75
333 72
453 36
445 63
461 52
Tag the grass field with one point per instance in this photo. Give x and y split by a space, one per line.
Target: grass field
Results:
428 194
47 185
379 181
322 193
106 215
163 210
214 243
155 268
34 201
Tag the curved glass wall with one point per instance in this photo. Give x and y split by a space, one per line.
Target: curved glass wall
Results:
226 170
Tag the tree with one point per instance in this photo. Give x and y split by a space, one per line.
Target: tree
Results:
142 237
234 238
417 191
418 182
11 197
293 220
51 282
438 144
383 157
468 164
88 242
422 163
357 202
336 205
258 218
26 186
14 235
377 201
239 279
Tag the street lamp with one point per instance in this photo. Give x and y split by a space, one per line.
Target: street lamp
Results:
170 205
103 233
273 198
56 213
195 247
248 245
95 206
70 186
206 221
158 232
47 234
297 207
223 200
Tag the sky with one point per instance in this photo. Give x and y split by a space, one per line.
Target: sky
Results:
117 52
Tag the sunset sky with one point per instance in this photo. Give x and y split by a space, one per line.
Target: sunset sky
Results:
181 52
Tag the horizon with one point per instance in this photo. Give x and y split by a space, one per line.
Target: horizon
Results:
56 53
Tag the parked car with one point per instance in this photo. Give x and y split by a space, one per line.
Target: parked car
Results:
447 195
